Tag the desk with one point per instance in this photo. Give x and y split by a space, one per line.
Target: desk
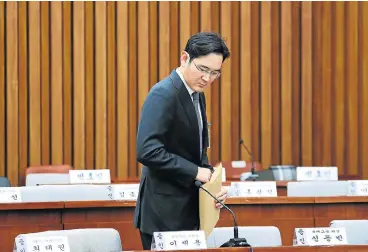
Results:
343 208
286 213
354 248
20 218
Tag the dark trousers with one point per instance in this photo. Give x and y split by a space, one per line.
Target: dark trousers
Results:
146 240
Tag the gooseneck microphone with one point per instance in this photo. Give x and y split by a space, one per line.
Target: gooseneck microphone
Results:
236 241
254 175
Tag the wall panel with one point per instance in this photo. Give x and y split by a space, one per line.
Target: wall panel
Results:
74 76
122 68
12 87
3 82
56 75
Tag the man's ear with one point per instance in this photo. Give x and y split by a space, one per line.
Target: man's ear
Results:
185 59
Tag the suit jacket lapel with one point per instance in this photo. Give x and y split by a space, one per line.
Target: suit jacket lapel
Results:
187 104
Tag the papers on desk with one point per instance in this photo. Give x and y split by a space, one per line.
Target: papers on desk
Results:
32 243
208 213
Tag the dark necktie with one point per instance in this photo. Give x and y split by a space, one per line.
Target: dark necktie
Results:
200 123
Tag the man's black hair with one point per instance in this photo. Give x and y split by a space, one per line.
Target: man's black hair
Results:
204 43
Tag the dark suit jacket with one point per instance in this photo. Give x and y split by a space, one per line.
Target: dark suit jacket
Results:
168 148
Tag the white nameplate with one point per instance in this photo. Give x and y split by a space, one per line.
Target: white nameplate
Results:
238 164
28 243
254 189
316 173
90 176
123 191
179 240
358 188
10 195
319 236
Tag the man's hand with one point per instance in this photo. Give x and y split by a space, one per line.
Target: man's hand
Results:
204 174
221 197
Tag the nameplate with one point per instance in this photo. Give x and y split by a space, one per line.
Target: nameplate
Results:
27 243
238 164
10 195
319 236
357 188
90 176
316 174
254 189
123 191
179 240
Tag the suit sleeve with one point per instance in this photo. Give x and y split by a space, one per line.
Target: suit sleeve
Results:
157 116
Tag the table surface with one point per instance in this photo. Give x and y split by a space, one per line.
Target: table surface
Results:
286 213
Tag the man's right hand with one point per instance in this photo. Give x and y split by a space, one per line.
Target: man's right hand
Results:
204 174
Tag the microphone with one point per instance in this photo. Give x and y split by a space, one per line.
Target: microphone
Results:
233 242
254 175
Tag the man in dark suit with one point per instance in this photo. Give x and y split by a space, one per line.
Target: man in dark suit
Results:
172 141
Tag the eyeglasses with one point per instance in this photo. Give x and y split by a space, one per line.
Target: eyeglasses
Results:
213 74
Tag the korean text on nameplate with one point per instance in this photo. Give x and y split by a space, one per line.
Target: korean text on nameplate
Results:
254 189
31 243
179 240
319 236
90 176
10 195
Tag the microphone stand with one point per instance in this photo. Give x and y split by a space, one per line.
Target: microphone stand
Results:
253 175
233 242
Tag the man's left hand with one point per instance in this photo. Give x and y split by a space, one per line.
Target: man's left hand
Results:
221 197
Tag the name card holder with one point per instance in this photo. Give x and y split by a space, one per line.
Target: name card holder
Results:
254 189
10 195
27 243
319 236
316 173
178 240
357 188
238 164
123 191
90 176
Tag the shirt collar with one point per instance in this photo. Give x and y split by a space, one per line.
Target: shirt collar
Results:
191 91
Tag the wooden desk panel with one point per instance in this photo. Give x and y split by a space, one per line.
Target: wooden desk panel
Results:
327 209
285 213
98 211
314 249
20 218
353 248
